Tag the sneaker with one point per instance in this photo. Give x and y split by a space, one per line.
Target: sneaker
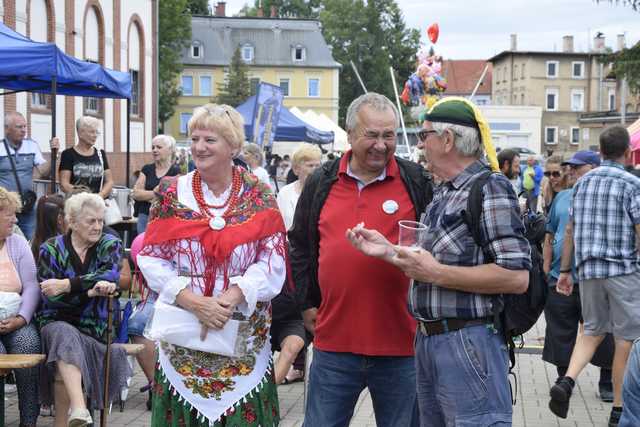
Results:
560 394
614 418
605 391
80 418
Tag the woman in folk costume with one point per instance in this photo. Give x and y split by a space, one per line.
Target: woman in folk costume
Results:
214 250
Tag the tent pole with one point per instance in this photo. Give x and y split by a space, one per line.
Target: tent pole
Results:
54 152
128 141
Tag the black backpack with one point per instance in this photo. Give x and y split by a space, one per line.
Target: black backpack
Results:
515 314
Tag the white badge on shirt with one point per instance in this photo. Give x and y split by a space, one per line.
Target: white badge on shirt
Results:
390 207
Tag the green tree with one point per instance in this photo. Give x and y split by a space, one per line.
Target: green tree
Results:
235 89
199 7
374 36
284 8
174 35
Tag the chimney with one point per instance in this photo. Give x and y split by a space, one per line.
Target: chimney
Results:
514 42
567 44
598 42
621 42
274 12
221 9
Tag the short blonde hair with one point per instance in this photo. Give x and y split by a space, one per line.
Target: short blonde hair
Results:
9 200
75 204
220 118
254 150
305 153
87 121
167 139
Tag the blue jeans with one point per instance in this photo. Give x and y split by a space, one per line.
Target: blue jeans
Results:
336 380
463 378
140 317
27 223
631 389
141 225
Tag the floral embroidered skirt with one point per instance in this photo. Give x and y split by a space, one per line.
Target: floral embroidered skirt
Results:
261 409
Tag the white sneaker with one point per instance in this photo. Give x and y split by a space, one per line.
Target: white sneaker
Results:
80 418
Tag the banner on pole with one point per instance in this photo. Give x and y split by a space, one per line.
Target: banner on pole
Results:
266 113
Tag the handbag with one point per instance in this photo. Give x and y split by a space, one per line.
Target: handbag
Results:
112 214
28 198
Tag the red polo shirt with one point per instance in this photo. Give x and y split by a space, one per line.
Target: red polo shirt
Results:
364 300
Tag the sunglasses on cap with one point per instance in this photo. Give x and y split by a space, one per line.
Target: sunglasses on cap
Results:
555 174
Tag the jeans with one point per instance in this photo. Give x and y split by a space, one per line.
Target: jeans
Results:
141 225
463 378
140 317
336 380
27 223
631 390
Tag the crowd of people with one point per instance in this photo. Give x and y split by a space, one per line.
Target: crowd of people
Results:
252 257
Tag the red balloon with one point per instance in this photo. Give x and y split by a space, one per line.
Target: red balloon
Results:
433 31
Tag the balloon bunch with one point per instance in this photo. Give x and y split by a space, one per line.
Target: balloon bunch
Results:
425 86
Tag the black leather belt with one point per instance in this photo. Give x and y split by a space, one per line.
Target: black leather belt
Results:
442 326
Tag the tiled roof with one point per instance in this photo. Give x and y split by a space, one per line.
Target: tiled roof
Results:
272 39
462 76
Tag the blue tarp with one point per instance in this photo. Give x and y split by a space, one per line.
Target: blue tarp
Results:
31 66
290 128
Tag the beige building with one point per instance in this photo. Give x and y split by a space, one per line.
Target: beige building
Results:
566 84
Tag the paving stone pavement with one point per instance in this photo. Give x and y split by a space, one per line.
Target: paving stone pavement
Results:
534 380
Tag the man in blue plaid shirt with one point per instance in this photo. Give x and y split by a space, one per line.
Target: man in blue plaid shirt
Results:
461 359
604 226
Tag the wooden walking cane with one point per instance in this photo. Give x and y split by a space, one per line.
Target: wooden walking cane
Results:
107 361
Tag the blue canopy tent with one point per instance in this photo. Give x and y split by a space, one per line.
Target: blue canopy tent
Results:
31 66
290 128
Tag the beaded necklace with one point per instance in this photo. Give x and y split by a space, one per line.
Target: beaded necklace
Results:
217 222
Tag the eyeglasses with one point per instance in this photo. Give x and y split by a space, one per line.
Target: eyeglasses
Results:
555 174
424 134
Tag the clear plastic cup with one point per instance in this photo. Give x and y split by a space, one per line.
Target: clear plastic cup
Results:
412 234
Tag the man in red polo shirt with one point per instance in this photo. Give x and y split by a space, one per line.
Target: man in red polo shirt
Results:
356 305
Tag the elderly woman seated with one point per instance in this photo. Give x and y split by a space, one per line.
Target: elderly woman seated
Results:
20 297
78 270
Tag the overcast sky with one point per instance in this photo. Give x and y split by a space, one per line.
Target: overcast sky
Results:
479 29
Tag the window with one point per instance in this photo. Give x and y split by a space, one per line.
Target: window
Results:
205 86
551 135
247 53
298 53
575 136
577 99
612 99
253 85
38 100
522 71
515 72
184 122
577 69
187 85
552 100
196 50
135 92
552 69
91 105
522 99
284 86
313 88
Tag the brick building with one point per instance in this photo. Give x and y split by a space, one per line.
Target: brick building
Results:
117 34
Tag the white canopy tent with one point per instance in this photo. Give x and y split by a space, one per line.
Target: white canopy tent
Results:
322 122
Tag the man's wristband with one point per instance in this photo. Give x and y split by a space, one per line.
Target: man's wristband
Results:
567 270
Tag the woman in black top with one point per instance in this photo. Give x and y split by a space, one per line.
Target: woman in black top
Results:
163 150
83 164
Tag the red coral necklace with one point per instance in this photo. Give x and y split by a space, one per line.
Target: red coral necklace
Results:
217 222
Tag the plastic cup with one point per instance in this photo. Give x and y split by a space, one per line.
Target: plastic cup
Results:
412 234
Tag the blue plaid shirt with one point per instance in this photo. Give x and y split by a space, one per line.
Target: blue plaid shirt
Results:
605 210
451 243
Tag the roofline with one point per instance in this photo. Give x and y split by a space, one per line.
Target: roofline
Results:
264 18
542 53
329 67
